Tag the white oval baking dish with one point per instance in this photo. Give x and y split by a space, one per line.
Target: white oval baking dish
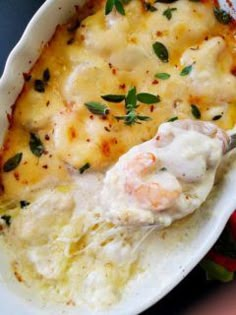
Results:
161 277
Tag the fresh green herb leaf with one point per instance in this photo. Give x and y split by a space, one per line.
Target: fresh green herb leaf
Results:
186 70
143 118
131 99
97 108
7 219
46 75
129 119
147 98
39 86
163 169
173 119
109 6
162 76
24 204
149 7
113 98
161 51
217 117
118 4
222 16
132 118
12 163
119 7
84 168
168 13
195 111
36 145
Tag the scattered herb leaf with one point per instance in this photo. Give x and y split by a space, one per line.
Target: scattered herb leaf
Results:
168 13
217 117
7 219
118 4
46 75
97 108
162 76
132 118
119 7
173 119
36 145
84 168
222 16
131 99
109 6
143 118
24 204
113 98
147 98
195 111
163 169
149 7
39 86
161 51
12 163
186 70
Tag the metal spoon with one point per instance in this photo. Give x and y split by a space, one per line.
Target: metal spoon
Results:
232 143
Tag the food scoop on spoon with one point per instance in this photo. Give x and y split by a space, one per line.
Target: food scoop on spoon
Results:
168 177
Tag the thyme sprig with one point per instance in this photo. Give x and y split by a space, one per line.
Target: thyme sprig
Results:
131 104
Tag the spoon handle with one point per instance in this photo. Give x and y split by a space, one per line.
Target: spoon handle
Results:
232 143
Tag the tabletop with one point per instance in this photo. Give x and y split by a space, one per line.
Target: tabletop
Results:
194 289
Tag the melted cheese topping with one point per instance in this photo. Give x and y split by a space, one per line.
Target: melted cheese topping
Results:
105 55
108 55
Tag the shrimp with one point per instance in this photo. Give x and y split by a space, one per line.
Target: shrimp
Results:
204 127
151 194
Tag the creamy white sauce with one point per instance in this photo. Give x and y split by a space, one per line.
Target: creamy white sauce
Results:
65 240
